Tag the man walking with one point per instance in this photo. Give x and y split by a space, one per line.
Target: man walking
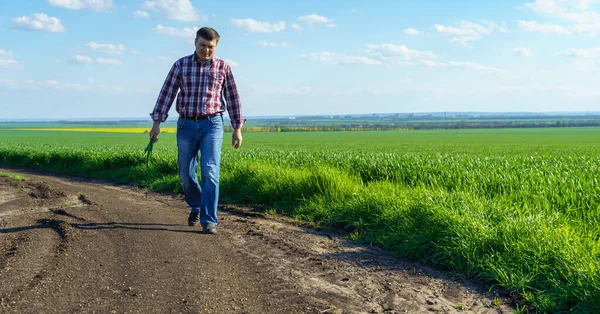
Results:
206 87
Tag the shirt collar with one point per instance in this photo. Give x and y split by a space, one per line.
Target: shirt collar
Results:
198 59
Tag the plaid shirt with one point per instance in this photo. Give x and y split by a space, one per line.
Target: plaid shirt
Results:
204 89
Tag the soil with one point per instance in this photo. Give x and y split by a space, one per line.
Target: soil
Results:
74 245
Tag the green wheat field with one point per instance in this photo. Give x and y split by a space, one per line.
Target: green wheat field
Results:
516 208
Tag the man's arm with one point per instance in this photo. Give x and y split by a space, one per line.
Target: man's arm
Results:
165 100
234 107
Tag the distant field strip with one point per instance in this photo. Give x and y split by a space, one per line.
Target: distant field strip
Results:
104 130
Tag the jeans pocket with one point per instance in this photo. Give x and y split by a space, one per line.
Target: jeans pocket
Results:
180 123
217 120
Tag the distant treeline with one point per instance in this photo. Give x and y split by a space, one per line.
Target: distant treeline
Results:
506 124
391 122
422 125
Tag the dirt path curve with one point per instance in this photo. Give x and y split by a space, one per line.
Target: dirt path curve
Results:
71 245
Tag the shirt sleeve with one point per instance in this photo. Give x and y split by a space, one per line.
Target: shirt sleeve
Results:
232 98
167 95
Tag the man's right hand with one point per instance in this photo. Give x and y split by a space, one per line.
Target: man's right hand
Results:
155 130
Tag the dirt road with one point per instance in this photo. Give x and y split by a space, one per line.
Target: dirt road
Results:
71 245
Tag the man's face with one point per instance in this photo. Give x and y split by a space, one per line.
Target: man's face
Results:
205 49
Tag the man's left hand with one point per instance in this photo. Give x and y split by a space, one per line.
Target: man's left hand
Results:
236 138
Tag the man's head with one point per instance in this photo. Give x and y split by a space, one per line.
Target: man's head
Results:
206 43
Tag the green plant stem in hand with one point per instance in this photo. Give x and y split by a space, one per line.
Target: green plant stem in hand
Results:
148 150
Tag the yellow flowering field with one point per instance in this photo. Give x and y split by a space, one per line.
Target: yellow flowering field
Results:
105 130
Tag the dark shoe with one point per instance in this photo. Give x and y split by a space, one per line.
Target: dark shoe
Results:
209 229
194 219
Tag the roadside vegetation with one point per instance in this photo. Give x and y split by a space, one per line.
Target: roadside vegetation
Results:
12 176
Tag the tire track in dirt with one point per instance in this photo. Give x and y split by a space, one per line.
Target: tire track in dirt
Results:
37 244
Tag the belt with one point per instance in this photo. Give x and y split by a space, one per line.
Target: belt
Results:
200 118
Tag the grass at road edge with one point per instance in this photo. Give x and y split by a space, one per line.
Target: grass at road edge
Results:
547 258
12 176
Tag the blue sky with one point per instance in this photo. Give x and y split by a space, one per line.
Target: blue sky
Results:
63 59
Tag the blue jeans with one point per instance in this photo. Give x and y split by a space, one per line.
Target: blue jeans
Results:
206 137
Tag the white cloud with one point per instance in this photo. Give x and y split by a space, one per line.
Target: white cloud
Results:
412 31
313 19
6 54
88 60
295 91
584 59
36 85
589 29
560 10
408 57
547 29
264 43
7 63
57 85
141 14
108 61
523 52
468 31
179 10
252 26
463 65
232 63
319 91
581 4
578 12
159 58
581 53
38 21
67 4
8 84
106 48
6 60
96 5
336 58
83 59
502 27
186 32
387 51
296 27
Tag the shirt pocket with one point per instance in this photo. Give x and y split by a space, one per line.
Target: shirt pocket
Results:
215 81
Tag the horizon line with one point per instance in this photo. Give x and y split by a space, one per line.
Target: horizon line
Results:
311 115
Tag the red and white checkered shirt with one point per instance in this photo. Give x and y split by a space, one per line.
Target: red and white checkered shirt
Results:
205 88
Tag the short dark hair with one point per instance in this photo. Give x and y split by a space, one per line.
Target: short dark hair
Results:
208 33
